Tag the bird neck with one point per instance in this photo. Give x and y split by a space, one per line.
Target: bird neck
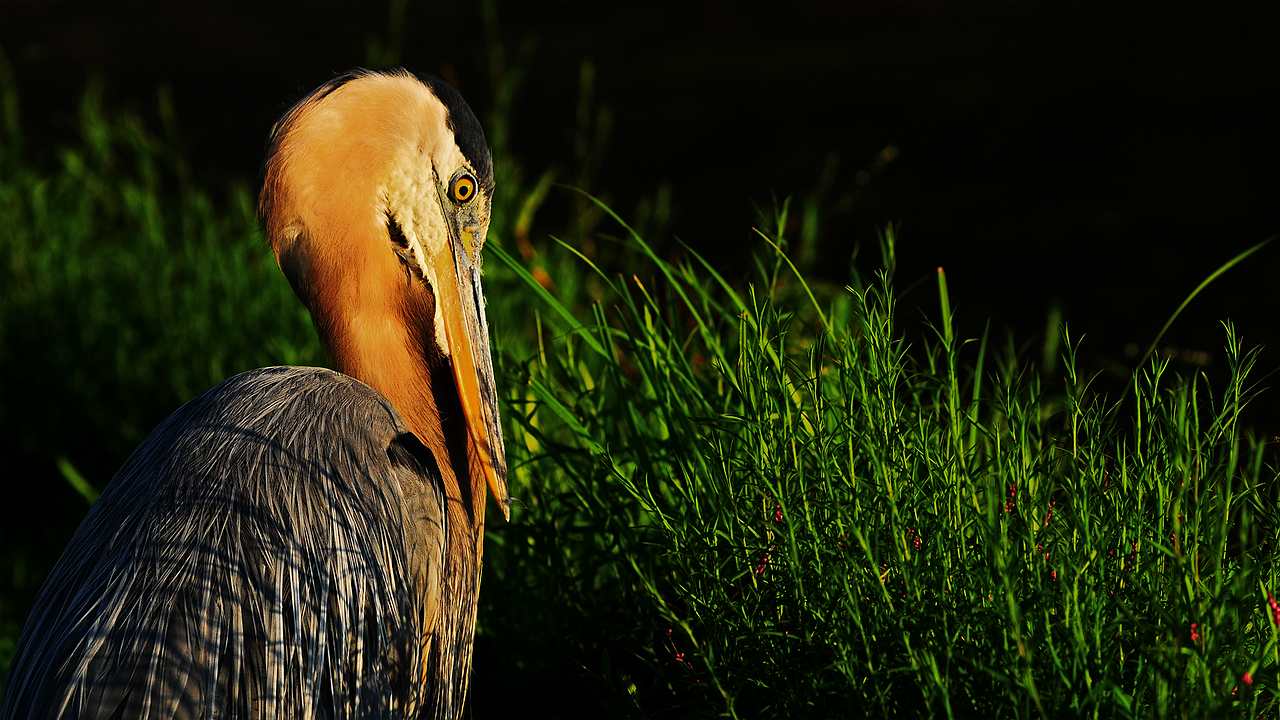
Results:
387 357
389 344
423 390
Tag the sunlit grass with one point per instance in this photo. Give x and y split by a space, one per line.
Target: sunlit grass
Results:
754 505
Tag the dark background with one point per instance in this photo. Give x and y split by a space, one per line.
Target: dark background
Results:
1103 157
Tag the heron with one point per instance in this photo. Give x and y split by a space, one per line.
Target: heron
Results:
305 542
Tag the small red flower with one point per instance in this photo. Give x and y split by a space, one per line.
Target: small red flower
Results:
1195 632
1247 678
777 514
764 563
1275 608
1055 576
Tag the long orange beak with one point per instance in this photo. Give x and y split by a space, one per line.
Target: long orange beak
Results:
467 332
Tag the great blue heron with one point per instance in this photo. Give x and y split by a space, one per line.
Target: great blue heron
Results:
297 541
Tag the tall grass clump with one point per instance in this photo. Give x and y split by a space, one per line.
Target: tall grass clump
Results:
746 501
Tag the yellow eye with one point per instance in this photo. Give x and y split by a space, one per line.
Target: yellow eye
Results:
463 188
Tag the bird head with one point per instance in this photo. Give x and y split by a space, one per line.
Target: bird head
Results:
376 198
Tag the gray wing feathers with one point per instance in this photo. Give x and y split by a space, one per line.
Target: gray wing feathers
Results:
273 549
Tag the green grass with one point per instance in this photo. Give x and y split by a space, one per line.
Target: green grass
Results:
739 498
758 506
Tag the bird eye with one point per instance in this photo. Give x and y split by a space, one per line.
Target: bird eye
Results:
463 188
